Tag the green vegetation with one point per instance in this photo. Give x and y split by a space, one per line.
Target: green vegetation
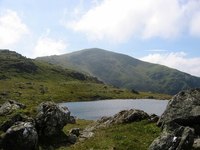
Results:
32 82
133 136
126 72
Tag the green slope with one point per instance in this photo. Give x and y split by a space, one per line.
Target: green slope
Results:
32 82
124 71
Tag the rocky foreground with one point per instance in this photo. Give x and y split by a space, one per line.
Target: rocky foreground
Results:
25 133
180 125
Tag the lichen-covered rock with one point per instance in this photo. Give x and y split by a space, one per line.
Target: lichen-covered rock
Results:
127 116
21 136
184 109
16 118
51 118
9 106
181 138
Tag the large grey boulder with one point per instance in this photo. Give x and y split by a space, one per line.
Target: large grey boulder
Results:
180 122
9 106
21 136
181 138
51 118
184 109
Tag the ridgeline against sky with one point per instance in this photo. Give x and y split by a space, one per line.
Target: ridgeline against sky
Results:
158 31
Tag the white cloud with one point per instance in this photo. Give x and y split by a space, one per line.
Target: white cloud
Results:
195 25
178 60
12 29
118 20
47 46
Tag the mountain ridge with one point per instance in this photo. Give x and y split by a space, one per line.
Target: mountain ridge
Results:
32 81
125 71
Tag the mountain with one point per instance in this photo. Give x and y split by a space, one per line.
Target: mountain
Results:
33 81
124 71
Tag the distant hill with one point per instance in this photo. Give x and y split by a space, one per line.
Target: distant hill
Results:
33 81
124 71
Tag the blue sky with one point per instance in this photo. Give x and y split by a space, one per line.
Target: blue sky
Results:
158 31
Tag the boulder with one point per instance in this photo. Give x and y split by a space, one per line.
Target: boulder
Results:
181 138
127 116
16 118
21 136
180 122
75 131
51 118
9 106
72 138
153 118
184 109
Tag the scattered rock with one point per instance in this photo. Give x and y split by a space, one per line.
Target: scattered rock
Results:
125 116
9 106
75 131
51 118
21 136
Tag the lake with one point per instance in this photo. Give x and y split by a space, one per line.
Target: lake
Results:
94 110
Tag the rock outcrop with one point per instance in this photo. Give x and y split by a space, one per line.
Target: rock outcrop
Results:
25 133
125 116
9 106
181 138
51 118
22 135
180 122
183 109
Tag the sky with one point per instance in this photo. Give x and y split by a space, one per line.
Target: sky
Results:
164 32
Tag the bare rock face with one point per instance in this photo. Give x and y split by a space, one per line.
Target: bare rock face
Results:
180 122
51 118
124 116
22 135
9 106
181 138
184 109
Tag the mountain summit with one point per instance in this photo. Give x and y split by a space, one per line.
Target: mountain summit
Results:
124 71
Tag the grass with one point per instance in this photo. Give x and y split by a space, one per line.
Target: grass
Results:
32 82
133 136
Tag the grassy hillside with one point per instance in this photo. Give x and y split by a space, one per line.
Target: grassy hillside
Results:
32 82
127 72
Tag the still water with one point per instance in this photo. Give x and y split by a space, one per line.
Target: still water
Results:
94 110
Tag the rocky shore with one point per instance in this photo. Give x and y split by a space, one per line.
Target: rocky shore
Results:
180 125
